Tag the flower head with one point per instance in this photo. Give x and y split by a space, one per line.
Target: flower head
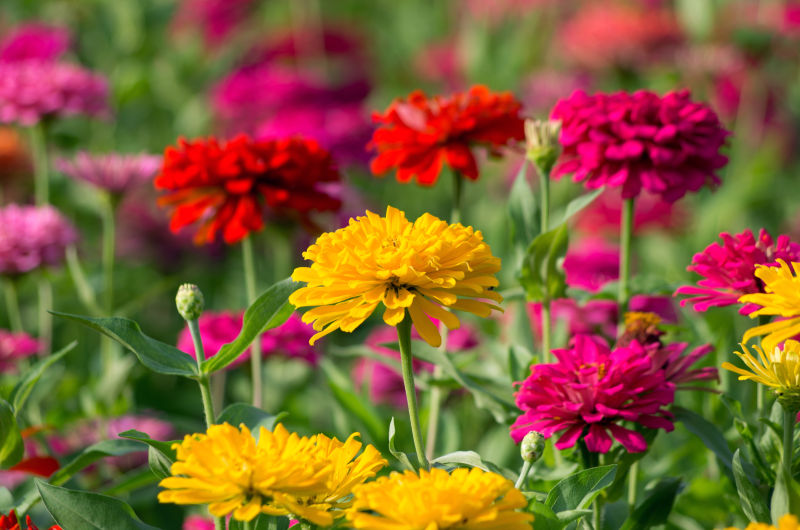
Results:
468 499
413 268
591 264
10 522
418 136
589 391
33 90
114 172
278 474
34 41
15 346
32 237
227 187
781 297
666 145
777 368
728 270
786 522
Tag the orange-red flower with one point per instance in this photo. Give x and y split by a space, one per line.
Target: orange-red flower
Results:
417 136
228 187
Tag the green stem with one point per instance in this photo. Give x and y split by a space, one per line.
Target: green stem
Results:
633 484
404 338
437 396
250 525
12 305
250 285
458 192
202 380
108 219
626 234
544 191
85 291
45 294
526 467
41 176
597 515
789 416
546 325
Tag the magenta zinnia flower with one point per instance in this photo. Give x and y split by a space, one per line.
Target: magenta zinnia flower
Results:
34 41
590 392
15 346
591 264
32 90
728 269
115 173
666 145
32 237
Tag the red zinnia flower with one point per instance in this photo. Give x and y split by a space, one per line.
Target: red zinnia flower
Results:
10 522
418 135
228 186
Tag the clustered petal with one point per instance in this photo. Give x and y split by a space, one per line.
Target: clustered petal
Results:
421 269
32 237
114 172
418 136
590 391
15 346
666 145
34 41
467 499
226 187
781 297
728 269
10 522
777 368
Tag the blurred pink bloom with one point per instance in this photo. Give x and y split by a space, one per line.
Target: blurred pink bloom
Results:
32 237
494 11
34 41
542 89
651 212
662 306
33 90
728 269
677 367
114 172
15 346
385 382
591 264
216 19
157 430
219 328
198 522
589 391
441 63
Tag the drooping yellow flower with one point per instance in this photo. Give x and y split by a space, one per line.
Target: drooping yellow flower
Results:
781 297
778 368
281 473
468 499
423 268
787 522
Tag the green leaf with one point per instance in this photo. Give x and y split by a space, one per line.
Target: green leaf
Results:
522 210
73 509
11 446
92 454
752 499
472 459
579 203
519 359
540 276
159 463
545 518
785 496
342 389
254 418
577 491
401 457
270 310
656 505
163 447
708 433
155 355
23 389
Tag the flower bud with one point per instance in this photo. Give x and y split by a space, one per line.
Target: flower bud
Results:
532 446
543 148
189 301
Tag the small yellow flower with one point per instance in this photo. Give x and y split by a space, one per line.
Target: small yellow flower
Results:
781 297
467 499
418 268
281 473
778 368
787 522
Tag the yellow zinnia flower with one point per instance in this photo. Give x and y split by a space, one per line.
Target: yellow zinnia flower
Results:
781 297
787 522
778 368
408 267
280 474
465 499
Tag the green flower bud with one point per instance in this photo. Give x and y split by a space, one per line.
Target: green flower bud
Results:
189 301
543 148
532 446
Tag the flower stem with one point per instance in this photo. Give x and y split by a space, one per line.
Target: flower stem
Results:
633 484
85 291
626 234
544 192
523 474
250 285
789 416
202 380
109 232
45 320
546 325
404 338
458 192
12 305
597 513
41 174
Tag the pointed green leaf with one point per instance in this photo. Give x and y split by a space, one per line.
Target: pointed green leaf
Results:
159 463
522 210
545 519
577 491
11 447
92 454
707 432
342 388
540 275
785 496
753 501
400 456
23 389
253 417
270 310
656 505
472 459
164 447
579 203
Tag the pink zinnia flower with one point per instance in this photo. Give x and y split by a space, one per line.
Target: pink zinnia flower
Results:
728 269
651 212
666 145
542 89
219 328
677 367
15 346
591 264
115 173
34 41
590 391
33 90
216 19
32 237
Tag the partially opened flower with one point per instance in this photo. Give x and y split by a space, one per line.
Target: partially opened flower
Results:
115 173
777 368
32 237
34 41
228 187
781 297
420 135
728 270
467 499
14 347
668 145
424 269
590 391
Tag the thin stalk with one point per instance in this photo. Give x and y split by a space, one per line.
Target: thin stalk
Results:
404 338
789 416
250 285
108 219
597 513
202 380
633 484
544 191
250 525
626 235
523 474
41 168
761 390
12 305
546 325
45 320
458 192
84 290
